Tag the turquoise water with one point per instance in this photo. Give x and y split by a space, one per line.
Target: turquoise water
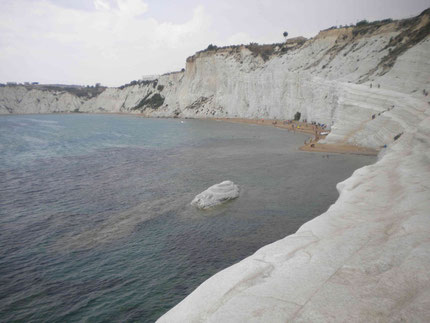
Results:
95 221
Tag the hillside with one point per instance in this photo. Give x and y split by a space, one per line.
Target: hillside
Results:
367 258
341 77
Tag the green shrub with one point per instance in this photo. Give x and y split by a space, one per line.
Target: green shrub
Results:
211 47
297 116
149 101
362 23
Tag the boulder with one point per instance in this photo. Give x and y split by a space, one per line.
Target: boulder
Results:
216 194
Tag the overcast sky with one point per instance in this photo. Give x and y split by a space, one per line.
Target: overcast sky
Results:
116 41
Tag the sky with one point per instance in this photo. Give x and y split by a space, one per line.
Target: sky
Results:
116 41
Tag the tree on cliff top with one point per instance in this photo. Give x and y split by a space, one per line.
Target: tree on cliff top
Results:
211 47
285 35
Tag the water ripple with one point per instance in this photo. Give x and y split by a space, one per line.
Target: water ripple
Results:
95 221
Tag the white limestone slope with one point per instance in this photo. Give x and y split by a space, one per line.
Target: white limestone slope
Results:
367 259
18 99
216 194
335 78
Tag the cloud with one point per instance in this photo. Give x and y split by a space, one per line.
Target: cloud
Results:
112 44
101 5
132 7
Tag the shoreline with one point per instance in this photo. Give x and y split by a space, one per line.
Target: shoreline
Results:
311 145
314 130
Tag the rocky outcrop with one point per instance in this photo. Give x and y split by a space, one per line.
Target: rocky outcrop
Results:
341 78
367 258
216 194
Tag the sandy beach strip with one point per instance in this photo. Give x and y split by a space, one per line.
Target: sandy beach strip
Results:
312 144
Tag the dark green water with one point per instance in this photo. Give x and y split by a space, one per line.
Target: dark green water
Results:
95 221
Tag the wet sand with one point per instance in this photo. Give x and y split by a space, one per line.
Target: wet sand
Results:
312 144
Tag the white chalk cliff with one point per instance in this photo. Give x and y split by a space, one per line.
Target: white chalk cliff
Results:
368 257
216 194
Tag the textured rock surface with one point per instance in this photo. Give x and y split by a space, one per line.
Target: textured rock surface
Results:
367 258
216 194
340 78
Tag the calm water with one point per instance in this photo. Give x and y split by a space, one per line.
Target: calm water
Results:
95 221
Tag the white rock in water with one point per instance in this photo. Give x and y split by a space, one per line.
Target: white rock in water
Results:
216 194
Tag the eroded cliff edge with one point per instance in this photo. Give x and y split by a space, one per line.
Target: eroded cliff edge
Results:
342 77
367 258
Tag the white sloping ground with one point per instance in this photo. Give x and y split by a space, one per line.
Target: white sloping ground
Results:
235 83
366 259
399 99
353 123
20 100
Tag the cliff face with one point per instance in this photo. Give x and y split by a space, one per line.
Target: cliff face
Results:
341 78
367 258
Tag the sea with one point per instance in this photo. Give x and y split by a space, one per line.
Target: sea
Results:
95 217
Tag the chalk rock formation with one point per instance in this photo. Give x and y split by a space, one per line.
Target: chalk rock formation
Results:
367 258
216 194
342 78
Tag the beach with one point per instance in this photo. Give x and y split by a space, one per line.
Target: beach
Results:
312 144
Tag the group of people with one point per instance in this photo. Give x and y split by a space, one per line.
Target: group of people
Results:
321 125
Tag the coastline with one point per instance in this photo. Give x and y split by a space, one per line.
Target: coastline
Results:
365 258
313 144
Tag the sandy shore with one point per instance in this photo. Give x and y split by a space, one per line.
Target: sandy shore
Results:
314 130
340 149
